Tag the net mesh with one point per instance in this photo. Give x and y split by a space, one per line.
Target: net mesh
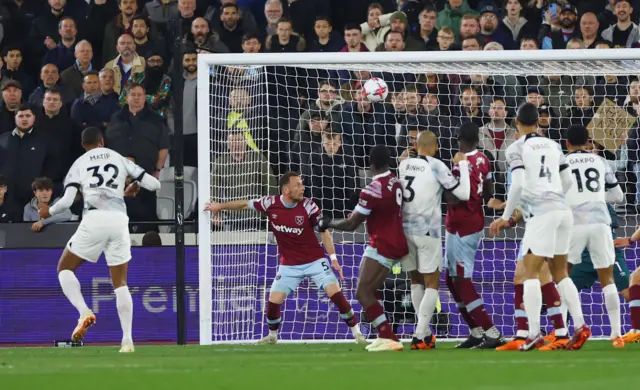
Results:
266 120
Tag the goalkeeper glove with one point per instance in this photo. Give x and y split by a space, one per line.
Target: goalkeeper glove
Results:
323 224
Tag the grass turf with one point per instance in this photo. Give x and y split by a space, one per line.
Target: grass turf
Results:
316 366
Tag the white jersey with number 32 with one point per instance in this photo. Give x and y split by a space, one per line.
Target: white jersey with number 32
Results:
101 174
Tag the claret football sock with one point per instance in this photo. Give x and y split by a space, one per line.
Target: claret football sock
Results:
554 312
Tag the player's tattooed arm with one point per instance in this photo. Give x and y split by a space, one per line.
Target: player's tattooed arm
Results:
348 225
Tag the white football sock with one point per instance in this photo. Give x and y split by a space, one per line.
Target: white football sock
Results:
124 303
571 298
492 333
417 293
71 288
565 316
273 333
427 307
355 330
532 299
612 302
477 332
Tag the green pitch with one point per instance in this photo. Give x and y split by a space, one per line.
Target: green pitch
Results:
317 366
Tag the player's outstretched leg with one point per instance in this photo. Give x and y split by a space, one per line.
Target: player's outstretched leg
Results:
67 266
124 304
475 338
346 311
424 339
372 275
634 304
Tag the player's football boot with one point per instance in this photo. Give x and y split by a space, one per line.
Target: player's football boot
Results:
383 345
470 342
579 338
513 345
550 338
268 339
428 342
85 322
491 343
617 342
532 343
633 336
127 347
558 343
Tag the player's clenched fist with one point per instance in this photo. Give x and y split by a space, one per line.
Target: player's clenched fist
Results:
459 157
43 211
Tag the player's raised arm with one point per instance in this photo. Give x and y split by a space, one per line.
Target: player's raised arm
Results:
216 207
348 225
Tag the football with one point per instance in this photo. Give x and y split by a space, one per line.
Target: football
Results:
375 90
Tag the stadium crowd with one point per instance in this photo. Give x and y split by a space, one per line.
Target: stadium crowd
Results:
70 64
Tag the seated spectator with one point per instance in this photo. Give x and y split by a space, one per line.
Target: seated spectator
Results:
490 29
141 33
9 212
495 137
472 43
624 33
332 173
452 14
353 39
399 23
372 30
42 196
471 107
446 39
589 27
50 77
108 82
393 41
62 55
326 40
73 76
121 24
515 22
273 12
557 38
529 43
205 39
307 139
469 27
157 84
285 40
229 27
93 108
251 44
160 12
14 69
11 99
128 66
427 33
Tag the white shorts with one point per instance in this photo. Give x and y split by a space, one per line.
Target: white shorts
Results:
597 238
102 231
548 234
425 254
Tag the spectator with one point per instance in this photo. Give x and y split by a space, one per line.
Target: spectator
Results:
326 40
353 39
557 39
633 150
355 83
515 22
189 108
489 28
128 66
452 14
20 14
307 139
241 172
446 39
495 137
332 171
400 24
229 28
73 76
161 11
427 33
469 27
328 102
50 77
94 108
529 43
187 14
394 41
203 38
411 150
157 84
610 87
372 31
471 107
62 130
101 13
251 44
575 43
114 30
303 13
582 111
9 212
493 46
273 12
29 154
14 69
107 82
139 133
63 54
632 101
44 30
42 195
242 117
589 27
559 92
624 33
140 30
11 99
549 126
151 238
471 43
247 20
285 40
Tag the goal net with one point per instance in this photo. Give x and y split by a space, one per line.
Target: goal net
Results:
260 115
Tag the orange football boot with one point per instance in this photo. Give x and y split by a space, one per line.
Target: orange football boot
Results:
579 338
513 345
557 344
417 344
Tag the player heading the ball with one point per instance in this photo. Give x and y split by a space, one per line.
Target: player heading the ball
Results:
101 174
381 205
293 219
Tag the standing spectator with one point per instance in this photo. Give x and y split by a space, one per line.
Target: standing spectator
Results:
326 40
399 23
469 27
9 212
161 11
624 33
328 102
452 14
113 31
556 92
285 40
489 28
229 28
273 12
243 117
189 108
108 82
43 195
353 39
247 20
633 156
14 69
50 77
11 99
582 111
308 139
550 126
128 66
140 134
140 30
63 54
610 87
589 27
632 101
44 30
28 155
203 38
495 137
157 84
73 76
446 39
515 22
557 39
93 108
427 32
471 107
411 149
101 13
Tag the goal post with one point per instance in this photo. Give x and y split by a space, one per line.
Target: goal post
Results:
272 105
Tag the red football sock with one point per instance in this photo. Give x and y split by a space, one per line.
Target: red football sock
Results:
346 312
461 307
376 315
273 316
522 324
634 304
472 300
552 300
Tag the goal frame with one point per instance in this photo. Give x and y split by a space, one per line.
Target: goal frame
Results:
205 61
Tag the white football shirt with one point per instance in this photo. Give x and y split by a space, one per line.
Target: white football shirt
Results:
100 175
542 161
591 176
424 179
